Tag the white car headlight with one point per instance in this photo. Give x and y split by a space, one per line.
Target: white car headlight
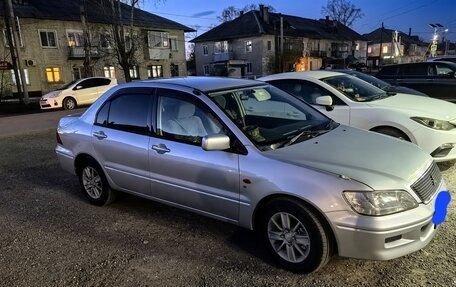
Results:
434 124
377 203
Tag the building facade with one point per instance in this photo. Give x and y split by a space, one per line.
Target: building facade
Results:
387 46
249 46
53 47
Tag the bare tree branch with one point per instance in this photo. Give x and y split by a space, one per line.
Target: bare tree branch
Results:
343 11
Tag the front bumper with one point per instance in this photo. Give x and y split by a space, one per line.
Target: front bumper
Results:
384 237
433 141
50 103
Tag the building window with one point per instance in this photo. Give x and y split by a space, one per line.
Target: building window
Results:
48 39
109 72
205 50
173 43
248 46
249 68
357 46
53 74
105 41
385 49
12 38
221 47
77 73
269 45
158 39
134 72
26 75
206 70
155 71
128 42
369 50
75 38
174 70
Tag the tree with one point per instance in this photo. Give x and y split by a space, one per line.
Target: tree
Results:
343 11
231 12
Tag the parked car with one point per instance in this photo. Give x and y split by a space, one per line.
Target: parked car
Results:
447 58
381 84
250 154
76 93
427 122
435 79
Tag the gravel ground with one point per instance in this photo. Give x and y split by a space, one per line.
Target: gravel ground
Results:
51 236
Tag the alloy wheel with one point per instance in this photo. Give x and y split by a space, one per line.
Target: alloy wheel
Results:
288 237
92 182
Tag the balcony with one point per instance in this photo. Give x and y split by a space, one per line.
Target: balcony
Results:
157 54
222 57
318 54
76 53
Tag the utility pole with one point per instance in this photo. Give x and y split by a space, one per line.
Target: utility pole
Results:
14 43
281 44
87 47
381 47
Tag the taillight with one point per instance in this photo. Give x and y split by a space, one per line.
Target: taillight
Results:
57 137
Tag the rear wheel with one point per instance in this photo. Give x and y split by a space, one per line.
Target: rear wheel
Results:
69 103
94 183
294 236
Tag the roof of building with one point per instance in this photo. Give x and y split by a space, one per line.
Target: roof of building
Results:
252 24
208 84
96 11
386 36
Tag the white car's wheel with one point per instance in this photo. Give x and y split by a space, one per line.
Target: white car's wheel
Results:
69 103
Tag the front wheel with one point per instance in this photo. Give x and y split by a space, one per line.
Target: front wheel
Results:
294 236
69 103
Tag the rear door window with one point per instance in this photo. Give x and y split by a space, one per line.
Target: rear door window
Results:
129 112
421 70
388 71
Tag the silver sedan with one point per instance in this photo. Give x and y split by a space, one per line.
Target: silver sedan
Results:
252 155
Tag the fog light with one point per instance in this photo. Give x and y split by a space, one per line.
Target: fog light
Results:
55 103
443 150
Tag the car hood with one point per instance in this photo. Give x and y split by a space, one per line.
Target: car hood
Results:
52 94
379 161
419 106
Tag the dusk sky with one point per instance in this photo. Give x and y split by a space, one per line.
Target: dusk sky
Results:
401 15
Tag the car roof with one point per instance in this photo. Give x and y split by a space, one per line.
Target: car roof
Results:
208 84
317 74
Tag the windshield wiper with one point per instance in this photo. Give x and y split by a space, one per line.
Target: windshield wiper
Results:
307 133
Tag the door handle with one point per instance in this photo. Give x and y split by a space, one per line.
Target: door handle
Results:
161 148
100 135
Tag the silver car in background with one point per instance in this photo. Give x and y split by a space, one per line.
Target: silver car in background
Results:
250 154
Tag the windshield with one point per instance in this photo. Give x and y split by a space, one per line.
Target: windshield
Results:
271 118
64 87
373 80
355 89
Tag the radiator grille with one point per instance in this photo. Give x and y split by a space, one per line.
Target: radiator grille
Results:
427 185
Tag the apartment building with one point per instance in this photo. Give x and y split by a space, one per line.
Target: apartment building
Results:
249 46
53 48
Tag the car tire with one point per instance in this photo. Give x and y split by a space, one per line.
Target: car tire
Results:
69 103
392 132
94 184
294 236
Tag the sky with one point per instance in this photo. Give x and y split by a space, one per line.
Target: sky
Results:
395 14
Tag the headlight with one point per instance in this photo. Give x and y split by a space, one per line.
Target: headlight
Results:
434 124
376 203
55 95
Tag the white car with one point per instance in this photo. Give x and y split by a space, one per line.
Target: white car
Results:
79 92
429 123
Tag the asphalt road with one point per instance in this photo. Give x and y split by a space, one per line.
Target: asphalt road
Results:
51 236
12 125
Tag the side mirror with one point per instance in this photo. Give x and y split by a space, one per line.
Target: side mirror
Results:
78 87
324 101
215 142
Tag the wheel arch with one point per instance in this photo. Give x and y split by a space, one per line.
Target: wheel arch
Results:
81 158
263 203
402 130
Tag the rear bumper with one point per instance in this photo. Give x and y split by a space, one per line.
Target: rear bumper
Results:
66 159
